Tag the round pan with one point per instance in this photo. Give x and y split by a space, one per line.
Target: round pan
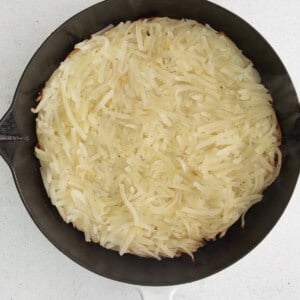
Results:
19 124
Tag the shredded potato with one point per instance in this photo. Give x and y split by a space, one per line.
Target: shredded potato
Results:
156 136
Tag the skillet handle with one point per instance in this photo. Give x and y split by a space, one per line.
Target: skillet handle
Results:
157 293
9 136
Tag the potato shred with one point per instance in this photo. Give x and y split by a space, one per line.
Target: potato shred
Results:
156 136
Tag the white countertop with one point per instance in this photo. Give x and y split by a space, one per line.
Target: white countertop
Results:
31 268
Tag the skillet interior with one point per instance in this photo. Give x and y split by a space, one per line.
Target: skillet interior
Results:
216 255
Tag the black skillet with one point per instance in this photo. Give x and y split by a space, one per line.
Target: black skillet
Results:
18 140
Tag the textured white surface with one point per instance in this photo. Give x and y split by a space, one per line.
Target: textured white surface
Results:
31 268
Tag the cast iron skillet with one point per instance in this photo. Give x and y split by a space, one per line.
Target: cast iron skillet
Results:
19 123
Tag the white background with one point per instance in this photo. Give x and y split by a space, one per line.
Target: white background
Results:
31 268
